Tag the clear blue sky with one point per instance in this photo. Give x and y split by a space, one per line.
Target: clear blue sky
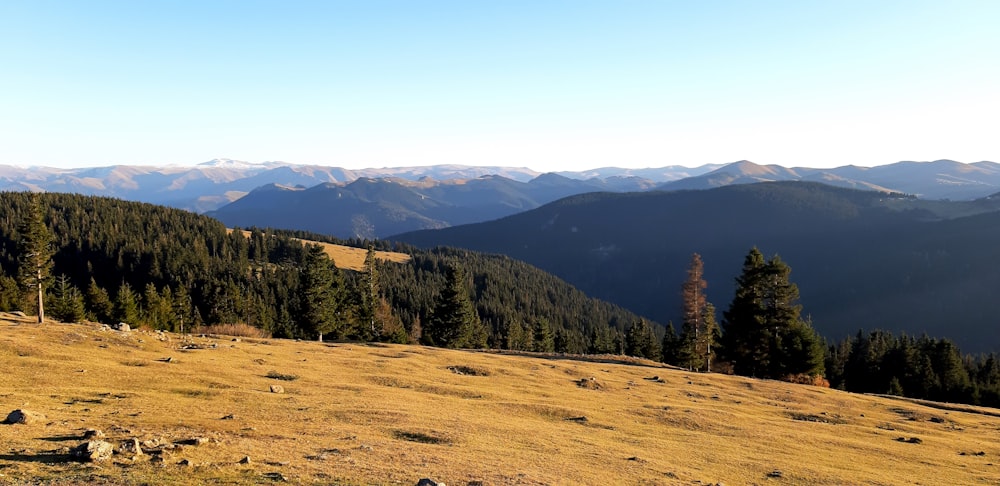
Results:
552 85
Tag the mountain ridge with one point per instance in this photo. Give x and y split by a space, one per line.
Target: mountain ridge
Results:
862 259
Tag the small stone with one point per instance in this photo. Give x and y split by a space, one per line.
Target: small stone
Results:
152 443
25 417
228 417
93 434
130 447
775 474
275 476
123 327
429 482
245 460
277 389
236 340
156 460
93 451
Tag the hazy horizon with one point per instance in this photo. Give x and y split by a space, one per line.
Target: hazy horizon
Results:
586 169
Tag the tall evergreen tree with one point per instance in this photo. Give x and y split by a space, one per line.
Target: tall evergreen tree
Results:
322 293
454 322
544 340
35 255
126 305
370 294
744 340
764 333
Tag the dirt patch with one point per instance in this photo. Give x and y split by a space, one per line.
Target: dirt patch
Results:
421 437
822 418
469 370
590 383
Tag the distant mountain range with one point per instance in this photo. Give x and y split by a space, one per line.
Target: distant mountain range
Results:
376 208
380 202
218 182
862 259
941 179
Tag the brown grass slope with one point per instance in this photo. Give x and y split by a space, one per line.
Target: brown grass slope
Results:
348 257
391 414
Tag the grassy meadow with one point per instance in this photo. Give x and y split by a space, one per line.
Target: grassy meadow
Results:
391 414
348 257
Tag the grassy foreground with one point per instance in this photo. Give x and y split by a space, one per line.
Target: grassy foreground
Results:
391 414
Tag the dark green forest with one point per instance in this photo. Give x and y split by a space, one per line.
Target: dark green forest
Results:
924 367
169 269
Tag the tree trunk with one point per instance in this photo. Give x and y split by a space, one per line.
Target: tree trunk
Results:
41 308
320 337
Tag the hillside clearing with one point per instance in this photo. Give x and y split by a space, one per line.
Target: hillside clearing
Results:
348 257
391 414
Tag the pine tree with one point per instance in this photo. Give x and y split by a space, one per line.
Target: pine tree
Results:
126 305
710 335
322 293
99 305
66 304
745 341
764 333
370 294
640 341
35 255
454 322
544 338
671 343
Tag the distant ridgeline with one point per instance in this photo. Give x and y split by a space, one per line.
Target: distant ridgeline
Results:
165 268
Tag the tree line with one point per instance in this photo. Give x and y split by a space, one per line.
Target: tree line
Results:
924 367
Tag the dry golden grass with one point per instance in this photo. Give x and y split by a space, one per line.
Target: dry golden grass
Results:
350 258
391 414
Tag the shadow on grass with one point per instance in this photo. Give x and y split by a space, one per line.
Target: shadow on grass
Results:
63 438
44 458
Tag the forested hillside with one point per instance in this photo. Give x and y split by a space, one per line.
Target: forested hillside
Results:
165 268
862 260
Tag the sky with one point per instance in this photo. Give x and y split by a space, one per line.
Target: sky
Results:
550 85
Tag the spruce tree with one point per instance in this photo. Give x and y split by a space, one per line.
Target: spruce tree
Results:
66 304
671 343
321 294
544 341
99 305
35 255
454 322
764 333
126 305
370 295
745 342
640 341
